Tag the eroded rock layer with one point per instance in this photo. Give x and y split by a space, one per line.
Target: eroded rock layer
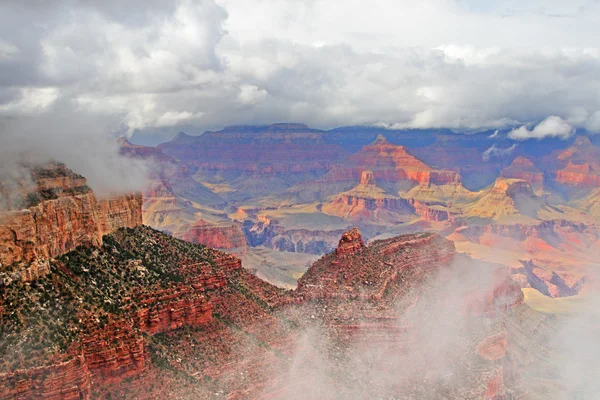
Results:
160 317
67 215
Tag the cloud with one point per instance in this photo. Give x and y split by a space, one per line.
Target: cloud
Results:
550 127
592 123
410 352
496 151
84 142
202 64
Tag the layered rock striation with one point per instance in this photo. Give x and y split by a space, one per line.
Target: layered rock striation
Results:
67 215
393 163
224 236
105 299
367 202
524 169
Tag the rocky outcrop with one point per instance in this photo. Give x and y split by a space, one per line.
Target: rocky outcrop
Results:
524 169
56 226
578 175
555 249
393 163
111 347
145 152
350 243
228 237
506 200
548 282
576 167
168 310
340 275
369 203
68 380
433 212
114 352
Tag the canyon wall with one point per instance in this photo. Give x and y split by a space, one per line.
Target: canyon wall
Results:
112 350
224 236
71 217
69 380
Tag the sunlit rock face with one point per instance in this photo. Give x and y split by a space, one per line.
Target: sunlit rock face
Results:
350 243
59 214
392 163
577 166
367 202
221 236
523 168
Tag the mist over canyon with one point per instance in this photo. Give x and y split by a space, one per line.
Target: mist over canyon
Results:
464 279
226 199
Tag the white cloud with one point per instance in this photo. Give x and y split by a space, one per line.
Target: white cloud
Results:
30 100
592 123
250 94
495 151
209 63
494 135
550 127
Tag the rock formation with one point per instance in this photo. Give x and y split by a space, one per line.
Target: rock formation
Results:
224 236
69 380
262 231
350 243
169 292
578 166
252 159
367 202
507 199
173 319
68 217
524 169
394 163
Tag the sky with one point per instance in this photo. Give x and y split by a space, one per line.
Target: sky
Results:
156 68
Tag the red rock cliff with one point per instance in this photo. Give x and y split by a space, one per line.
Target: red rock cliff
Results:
58 225
523 168
222 236
69 380
350 243
394 163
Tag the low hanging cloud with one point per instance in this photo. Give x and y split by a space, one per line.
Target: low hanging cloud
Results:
550 127
86 143
495 151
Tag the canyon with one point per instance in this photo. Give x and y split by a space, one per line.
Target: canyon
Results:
69 216
290 189
200 304
120 309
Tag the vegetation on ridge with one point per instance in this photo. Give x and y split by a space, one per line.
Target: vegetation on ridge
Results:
86 288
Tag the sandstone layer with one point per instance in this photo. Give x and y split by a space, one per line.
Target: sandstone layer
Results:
57 225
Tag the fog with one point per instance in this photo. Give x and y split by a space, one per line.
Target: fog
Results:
84 142
430 351
427 350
